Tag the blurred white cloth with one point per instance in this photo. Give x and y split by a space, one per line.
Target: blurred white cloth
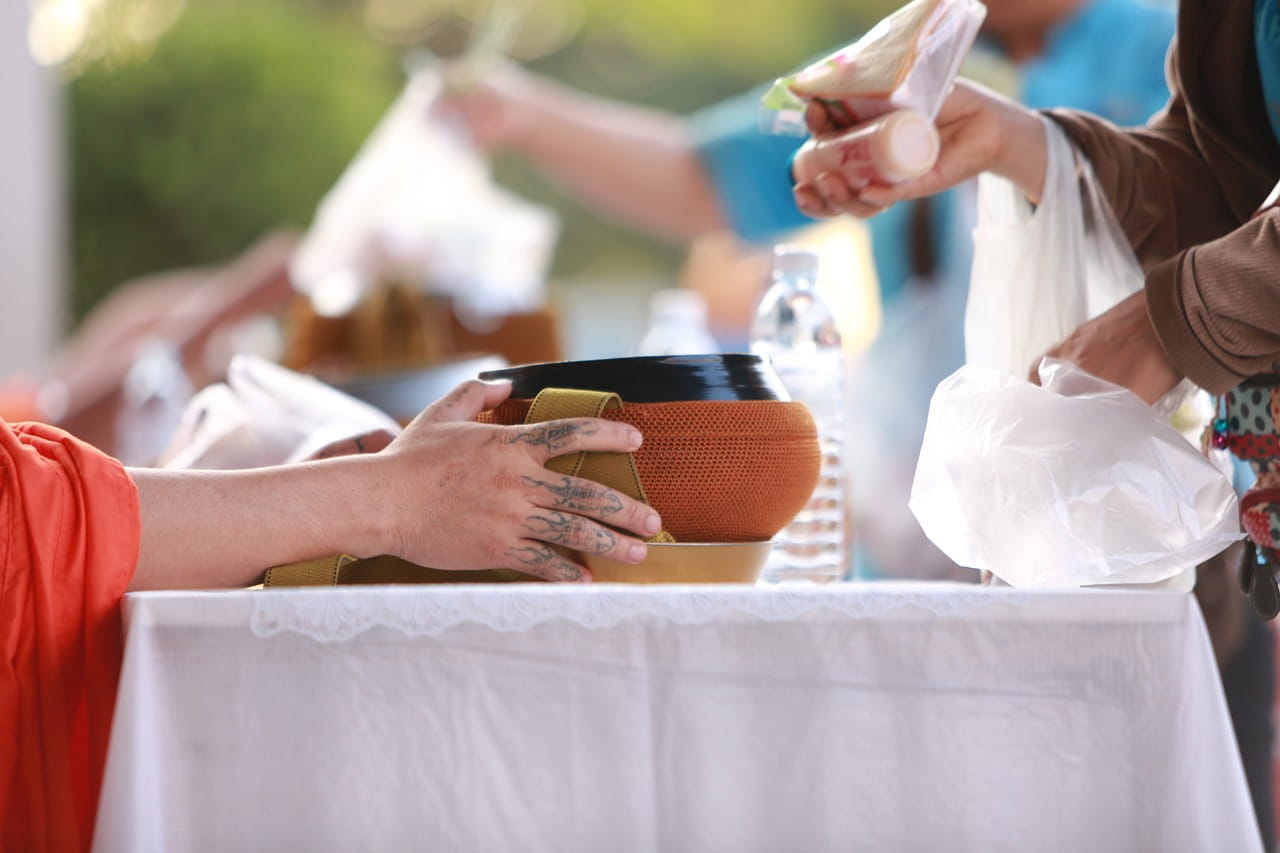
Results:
538 717
265 414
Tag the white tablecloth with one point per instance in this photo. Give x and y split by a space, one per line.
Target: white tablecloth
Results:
870 717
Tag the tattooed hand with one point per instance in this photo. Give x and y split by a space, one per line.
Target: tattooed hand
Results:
455 494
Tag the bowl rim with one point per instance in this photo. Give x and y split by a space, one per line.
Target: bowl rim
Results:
653 378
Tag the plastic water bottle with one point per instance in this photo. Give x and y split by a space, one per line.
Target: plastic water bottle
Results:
795 328
678 325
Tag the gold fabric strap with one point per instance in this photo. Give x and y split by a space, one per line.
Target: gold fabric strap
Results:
322 572
615 470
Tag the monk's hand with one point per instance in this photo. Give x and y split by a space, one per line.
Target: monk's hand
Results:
462 495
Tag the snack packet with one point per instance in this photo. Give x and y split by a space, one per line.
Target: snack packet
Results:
907 61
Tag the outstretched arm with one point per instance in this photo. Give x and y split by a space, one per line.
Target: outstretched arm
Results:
447 493
637 164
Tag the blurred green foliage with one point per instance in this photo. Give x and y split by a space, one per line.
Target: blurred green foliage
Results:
239 121
246 112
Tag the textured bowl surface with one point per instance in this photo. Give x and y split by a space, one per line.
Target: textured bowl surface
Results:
726 456
685 562
717 471
653 379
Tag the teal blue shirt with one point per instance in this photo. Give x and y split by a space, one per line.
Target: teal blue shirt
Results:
1108 59
1266 36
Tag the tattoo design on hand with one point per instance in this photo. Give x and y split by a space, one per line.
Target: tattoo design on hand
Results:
535 558
578 496
564 529
555 435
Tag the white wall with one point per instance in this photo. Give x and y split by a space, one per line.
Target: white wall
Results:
32 225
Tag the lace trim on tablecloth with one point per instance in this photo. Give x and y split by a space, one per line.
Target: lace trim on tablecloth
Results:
340 614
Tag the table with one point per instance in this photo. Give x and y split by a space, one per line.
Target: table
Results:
538 717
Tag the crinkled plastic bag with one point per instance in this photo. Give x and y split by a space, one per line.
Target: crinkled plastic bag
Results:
1074 483
266 415
907 61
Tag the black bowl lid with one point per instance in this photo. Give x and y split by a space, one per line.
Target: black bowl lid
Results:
653 379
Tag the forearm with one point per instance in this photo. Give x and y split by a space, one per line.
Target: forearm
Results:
636 164
1165 196
1024 152
1216 307
208 529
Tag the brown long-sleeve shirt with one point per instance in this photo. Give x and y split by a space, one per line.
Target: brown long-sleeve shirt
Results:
1184 189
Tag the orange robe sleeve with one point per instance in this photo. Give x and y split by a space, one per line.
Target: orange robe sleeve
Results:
69 533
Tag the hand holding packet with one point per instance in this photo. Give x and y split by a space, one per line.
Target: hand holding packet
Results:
907 61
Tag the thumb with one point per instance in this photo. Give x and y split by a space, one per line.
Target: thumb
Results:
818 119
468 400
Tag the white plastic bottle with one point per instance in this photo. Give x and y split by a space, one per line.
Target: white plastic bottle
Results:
678 325
796 329
893 148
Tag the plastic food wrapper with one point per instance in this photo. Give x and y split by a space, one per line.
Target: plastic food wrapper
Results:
266 415
907 61
418 203
1074 483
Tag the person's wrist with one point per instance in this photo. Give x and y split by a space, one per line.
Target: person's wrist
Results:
528 106
521 118
1021 153
369 523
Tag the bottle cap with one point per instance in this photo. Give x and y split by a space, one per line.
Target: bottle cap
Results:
910 145
796 261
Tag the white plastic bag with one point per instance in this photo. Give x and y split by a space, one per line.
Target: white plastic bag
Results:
1078 482
267 415
418 200
1038 274
1075 483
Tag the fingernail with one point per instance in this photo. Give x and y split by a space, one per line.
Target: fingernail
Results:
637 553
634 438
585 577
653 523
